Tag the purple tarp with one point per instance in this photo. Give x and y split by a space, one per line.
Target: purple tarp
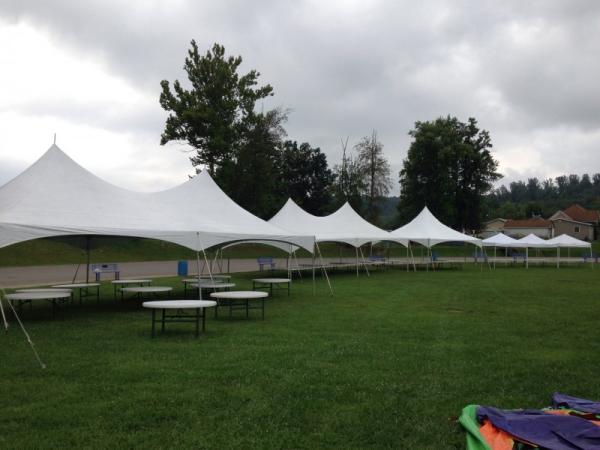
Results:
580 404
556 432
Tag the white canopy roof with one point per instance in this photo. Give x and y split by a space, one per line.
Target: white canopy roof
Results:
427 230
344 225
501 240
533 241
56 196
564 240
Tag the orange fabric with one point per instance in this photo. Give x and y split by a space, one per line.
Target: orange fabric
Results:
592 418
495 437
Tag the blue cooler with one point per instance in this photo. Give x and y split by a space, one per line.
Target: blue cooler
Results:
182 268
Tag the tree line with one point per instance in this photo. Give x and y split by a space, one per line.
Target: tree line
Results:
449 166
536 197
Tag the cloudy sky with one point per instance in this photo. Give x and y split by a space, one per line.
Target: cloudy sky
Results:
90 72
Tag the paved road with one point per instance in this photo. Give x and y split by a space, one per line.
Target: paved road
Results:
12 277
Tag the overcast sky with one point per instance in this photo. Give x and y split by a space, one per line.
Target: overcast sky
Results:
89 71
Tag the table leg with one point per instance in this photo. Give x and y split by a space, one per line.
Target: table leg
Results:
289 287
203 319
162 327
53 308
80 296
97 294
153 319
263 308
247 305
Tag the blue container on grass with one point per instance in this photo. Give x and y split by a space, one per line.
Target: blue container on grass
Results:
182 268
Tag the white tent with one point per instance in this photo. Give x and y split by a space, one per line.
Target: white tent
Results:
532 241
566 241
501 240
427 230
56 196
344 225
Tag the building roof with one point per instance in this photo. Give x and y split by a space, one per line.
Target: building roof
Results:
580 214
562 219
528 223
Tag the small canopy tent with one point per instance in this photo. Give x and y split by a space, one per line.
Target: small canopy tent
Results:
532 241
55 196
428 231
344 225
500 240
566 241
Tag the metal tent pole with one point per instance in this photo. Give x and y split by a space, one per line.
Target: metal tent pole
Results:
558 257
494 257
356 250
198 267
313 269
323 269
527 257
88 238
364 262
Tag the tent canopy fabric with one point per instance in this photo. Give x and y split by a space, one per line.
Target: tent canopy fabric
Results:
501 240
56 196
566 241
427 230
533 241
345 225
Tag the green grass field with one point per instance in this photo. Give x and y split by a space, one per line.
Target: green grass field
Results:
388 362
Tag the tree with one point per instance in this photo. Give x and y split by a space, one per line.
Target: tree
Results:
450 169
217 112
375 171
348 185
253 179
305 176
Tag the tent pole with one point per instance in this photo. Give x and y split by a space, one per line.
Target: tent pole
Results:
198 267
527 257
297 265
558 257
313 268
364 262
88 238
494 257
323 268
412 257
29 341
407 259
356 250
289 268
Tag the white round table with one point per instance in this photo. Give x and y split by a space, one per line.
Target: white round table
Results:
204 278
240 300
28 297
262 283
213 286
148 290
116 283
179 306
82 287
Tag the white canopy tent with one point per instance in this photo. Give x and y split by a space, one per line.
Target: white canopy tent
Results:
566 241
344 225
56 197
532 241
501 240
427 230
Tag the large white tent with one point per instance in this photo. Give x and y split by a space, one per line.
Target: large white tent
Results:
55 196
344 225
428 231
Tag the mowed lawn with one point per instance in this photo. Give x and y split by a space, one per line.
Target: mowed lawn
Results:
388 362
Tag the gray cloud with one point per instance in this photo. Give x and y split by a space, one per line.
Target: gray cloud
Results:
527 70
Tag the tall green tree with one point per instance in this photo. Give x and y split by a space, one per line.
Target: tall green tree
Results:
305 177
450 169
375 171
349 183
218 110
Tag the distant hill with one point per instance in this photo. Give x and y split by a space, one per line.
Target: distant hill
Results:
389 212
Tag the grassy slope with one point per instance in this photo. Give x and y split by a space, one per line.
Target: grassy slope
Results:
384 364
71 250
